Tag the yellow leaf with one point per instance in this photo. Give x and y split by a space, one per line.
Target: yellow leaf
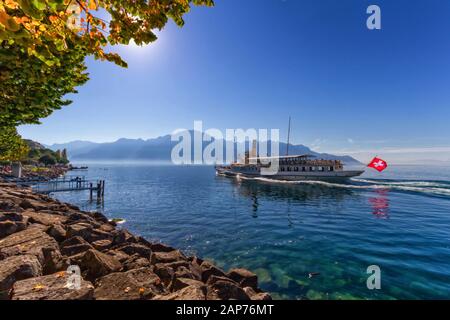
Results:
38 287
92 5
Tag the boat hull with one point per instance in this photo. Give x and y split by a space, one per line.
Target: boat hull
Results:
297 176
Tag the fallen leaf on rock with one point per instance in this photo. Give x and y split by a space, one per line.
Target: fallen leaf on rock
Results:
127 289
141 291
38 287
61 274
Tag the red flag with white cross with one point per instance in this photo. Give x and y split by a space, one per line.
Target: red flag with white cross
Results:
378 164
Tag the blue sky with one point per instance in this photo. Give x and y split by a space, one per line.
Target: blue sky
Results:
252 63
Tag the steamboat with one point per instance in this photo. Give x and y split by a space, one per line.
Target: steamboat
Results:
289 167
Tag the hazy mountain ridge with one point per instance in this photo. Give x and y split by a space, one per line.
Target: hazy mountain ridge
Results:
159 149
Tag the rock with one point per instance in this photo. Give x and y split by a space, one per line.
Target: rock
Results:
11 222
180 283
123 237
119 255
95 264
51 287
192 292
53 261
102 245
9 227
10 205
44 218
57 231
159 247
100 217
11 216
257 295
131 285
39 227
166 257
135 262
87 232
165 273
208 269
107 227
35 242
135 248
33 204
17 268
183 272
244 277
74 246
225 289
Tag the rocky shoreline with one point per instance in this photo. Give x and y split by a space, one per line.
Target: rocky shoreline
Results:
43 241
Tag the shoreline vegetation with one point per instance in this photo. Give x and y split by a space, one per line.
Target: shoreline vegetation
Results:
40 238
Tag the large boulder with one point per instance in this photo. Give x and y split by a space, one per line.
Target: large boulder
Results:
17 268
180 283
257 295
134 248
192 292
51 287
160 247
57 231
244 277
44 218
167 257
222 288
208 270
96 264
11 222
123 236
33 204
10 205
74 246
34 242
135 262
102 245
135 284
87 232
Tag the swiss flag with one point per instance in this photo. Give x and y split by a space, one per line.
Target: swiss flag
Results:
378 164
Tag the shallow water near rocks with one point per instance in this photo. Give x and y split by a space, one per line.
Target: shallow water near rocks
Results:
398 220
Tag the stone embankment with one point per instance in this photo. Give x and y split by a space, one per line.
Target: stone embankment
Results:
44 243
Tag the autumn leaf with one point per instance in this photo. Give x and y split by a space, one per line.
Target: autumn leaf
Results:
38 287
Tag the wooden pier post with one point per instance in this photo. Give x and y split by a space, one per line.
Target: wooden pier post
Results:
103 188
90 191
99 190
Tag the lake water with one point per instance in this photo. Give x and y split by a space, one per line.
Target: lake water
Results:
398 220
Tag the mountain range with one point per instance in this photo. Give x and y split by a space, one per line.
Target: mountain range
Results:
158 149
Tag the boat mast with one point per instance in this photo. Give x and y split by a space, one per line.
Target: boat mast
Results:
288 137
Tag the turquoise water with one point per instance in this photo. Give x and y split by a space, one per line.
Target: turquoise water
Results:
398 220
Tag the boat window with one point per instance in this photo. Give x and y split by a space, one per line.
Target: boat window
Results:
303 169
311 168
282 168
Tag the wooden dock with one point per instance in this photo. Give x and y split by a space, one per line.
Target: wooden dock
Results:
71 184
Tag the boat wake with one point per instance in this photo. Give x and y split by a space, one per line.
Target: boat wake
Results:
436 188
